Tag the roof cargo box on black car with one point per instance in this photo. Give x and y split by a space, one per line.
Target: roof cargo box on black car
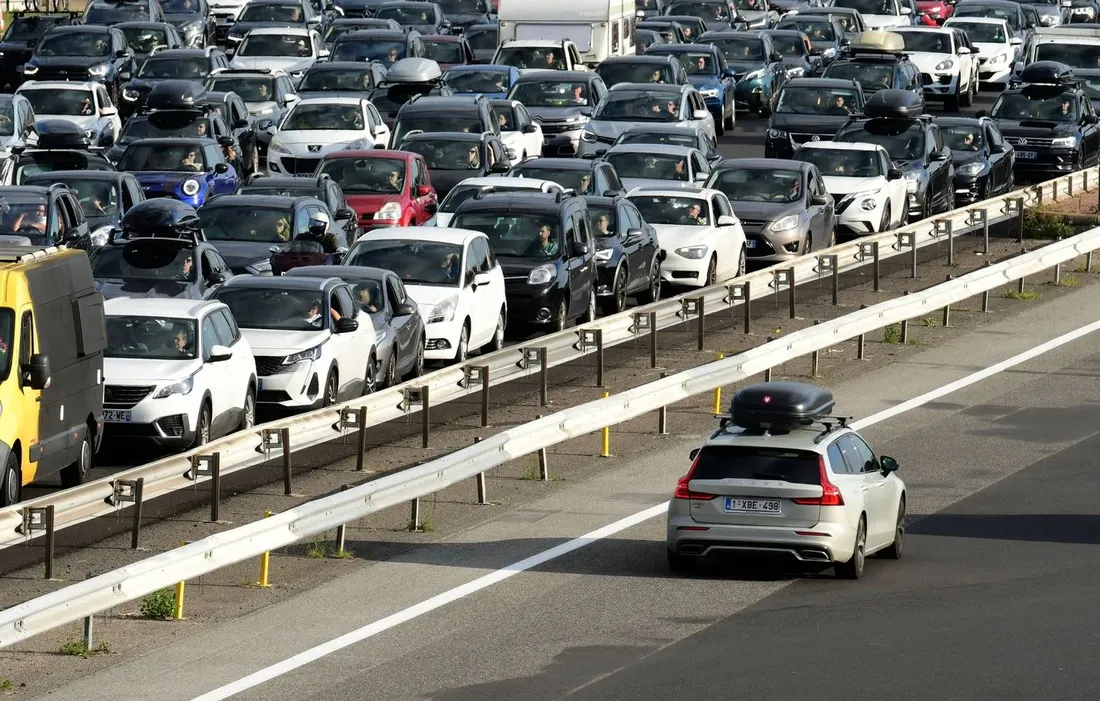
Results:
894 104
1047 73
60 134
175 95
780 406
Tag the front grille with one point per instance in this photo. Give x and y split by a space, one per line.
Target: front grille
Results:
58 73
926 78
269 365
1029 142
300 166
757 223
560 127
272 396
171 425
124 396
803 138
762 247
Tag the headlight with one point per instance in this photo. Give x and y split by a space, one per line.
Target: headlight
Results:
235 38
30 70
692 252
130 95
100 70
191 187
912 181
945 65
301 356
999 58
100 236
776 134
390 211
710 92
259 267
785 224
191 28
1063 142
183 388
542 275
359 145
759 73
970 169
829 52
868 204
796 72
604 254
277 147
589 136
444 311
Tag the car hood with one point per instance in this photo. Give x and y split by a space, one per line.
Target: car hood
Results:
144 85
369 204
927 61
742 67
240 254
961 158
290 65
1036 128
673 236
702 82
462 20
986 49
519 266
278 342
113 287
178 19
141 371
153 178
240 28
325 138
825 125
837 185
560 114
765 211
307 94
886 21
81 61
612 130
85 123
427 297
631 183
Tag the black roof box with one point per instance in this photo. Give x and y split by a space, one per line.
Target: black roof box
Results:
60 134
894 104
780 406
175 95
1047 73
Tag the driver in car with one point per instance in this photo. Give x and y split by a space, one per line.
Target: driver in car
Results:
393 182
86 106
365 301
969 143
33 219
450 266
182 342
392 57
189 163
187 267
694 216
603 226
303 48
282 229
840 106
473 159
545 245
102 201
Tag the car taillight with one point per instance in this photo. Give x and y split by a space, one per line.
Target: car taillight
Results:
682 490
830 493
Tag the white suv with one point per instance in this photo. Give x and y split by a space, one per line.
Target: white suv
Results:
948 69
869 191
452 275
177 371
781 478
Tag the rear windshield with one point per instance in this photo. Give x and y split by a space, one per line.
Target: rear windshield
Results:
718 462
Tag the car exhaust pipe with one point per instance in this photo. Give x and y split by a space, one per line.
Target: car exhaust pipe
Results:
815 555
691 549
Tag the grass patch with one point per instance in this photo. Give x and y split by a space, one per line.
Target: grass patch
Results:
341 554
929 322
159 606
317 550
1041 223
77 648
425 525
531 474
892 334
1067 281
6 686
1025 296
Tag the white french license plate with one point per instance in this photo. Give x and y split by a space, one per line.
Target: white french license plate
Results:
750 243
753 506
1026 155
116 416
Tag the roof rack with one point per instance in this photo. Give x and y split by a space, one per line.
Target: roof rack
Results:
780 407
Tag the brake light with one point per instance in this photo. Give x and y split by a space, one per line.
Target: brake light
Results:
830 493
682 490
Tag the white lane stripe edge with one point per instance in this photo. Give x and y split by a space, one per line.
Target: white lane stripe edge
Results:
428 605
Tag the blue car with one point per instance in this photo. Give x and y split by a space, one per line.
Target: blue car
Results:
190 170
490 80
707 70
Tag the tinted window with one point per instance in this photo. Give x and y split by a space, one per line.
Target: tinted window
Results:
836 460
717 462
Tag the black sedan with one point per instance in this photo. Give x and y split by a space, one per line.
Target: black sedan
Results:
628 258
157 267
984 161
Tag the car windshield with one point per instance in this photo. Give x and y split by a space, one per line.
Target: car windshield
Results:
513 236
151 337
144 39
548 93
252 223
843 163
579 181
758 184
647 137
24 213
158 67
677 211
322 80
696 63
709 11
333 117
832 101
98 198
1073 55
389 52
80 44
257 12
927 42
644 38
113 13
27 28
274 309
407 15
171 157
868 7
489 81
603 220
982 32
903 143
523 57
163 125
7 118
871 76
482 39
963 138
415 262
144 260
629 72
789 45
366 175
650 166
1041 106
48 161
749 5
181 7
467 124
461 193
816 30
974 10
442 51
251 89
68 102
275 46
447 155
747 49
639 106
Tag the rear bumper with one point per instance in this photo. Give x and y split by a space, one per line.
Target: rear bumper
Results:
832 542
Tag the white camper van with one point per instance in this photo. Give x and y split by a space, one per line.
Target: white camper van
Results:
599 28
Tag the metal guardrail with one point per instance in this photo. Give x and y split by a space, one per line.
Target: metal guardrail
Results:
273 443
87 598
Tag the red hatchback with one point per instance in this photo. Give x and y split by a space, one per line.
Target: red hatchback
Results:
385 188
935 10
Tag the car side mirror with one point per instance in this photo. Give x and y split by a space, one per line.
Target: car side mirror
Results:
345 325
693 454
482 279
963 51
221 168
579 249
981 113
36 373
765 110
109 111
701 177
225 141
633 234
888 464
219 354
1091 119
906 11
404 309
1015 41
344 214
727 220
240 124
700 114
939 156
819 199
775 57
729 72
499 167
229 51
893 174
122 53
423 190
530 128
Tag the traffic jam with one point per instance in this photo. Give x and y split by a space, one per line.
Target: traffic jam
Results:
287 204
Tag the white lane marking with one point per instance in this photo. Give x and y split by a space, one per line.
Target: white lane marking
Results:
303 658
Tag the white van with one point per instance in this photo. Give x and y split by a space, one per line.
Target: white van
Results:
599 28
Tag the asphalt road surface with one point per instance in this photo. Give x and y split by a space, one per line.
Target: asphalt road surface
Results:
994 598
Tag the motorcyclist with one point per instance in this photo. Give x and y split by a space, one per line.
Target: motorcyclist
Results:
319 232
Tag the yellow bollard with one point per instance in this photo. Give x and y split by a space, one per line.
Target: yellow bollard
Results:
177 613
265 564
718 392
605 450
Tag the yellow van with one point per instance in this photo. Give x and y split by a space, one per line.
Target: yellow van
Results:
52 338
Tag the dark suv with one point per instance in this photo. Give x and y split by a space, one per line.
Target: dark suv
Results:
23 33
544 245
321 187
809 109
171 64
63 216
876 69
80 52
472 114
650 68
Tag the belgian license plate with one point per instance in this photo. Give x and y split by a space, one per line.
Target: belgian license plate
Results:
753 506
750 243
116 416
1026 155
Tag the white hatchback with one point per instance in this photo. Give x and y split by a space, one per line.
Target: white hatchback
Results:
177 372
869 191
289 49
86 105
521 134
315 127
996 44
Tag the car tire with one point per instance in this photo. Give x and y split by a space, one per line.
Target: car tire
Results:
370 375
462 353
498 332
720 127
895 550
742 262
332 389
951 103
853 568
391 370
417 368
562 319
248 410
617 303
592 310
886 222
729 121
202 426
681 564
712 272
10 482
653 291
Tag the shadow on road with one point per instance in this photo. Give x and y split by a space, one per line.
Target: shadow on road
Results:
1078 529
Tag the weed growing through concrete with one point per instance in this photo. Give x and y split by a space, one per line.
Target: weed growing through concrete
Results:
1025 296
532 473
317 550
929 321
159 605
892 334
341 554
1067 281
7 686
77 648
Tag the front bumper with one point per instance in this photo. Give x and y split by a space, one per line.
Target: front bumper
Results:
994 73
939 86
855 220
560 143
286 164
1048 163
442 339
168 422
835 545
764 246
298 386
688 272
784 145
749 95
968 189
532 305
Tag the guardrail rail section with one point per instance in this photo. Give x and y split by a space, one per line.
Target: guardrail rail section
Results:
87 598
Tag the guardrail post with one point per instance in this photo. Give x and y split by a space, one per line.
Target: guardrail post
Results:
786 277
1015 207
479 479
341 530
1058 274
647 321
815 361
605 443
588 338
748 307
265 564
1053 191
985 295
210 466
414 514
739 292
694 306
356 419
480 373
909 239
768 371
1088 260
662 415
537 355
947 309
177 610
544 461
279 439
718 392
89 628
41 518
425 416
978 216
124 491
1069 186
872 247
1020 286
861 342
945 228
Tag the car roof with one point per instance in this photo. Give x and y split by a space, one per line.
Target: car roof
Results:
663 149
434 234
179 51
159 306
332 101
284 181
800 437
919 29
374 153
344 272
696 193
976 20
483 68
142 24
505 181
251 200
768 163
529 201
441 102
25 189
293 31
560 76
821 83
56 84
373 33
556 43
157 140
89 28
658 49
960 121
57 175
650 87
277 282
442 38
559 163
831 10
642 58
841 146
341 65
444 136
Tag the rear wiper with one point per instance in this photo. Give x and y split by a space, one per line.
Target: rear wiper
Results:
769 476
